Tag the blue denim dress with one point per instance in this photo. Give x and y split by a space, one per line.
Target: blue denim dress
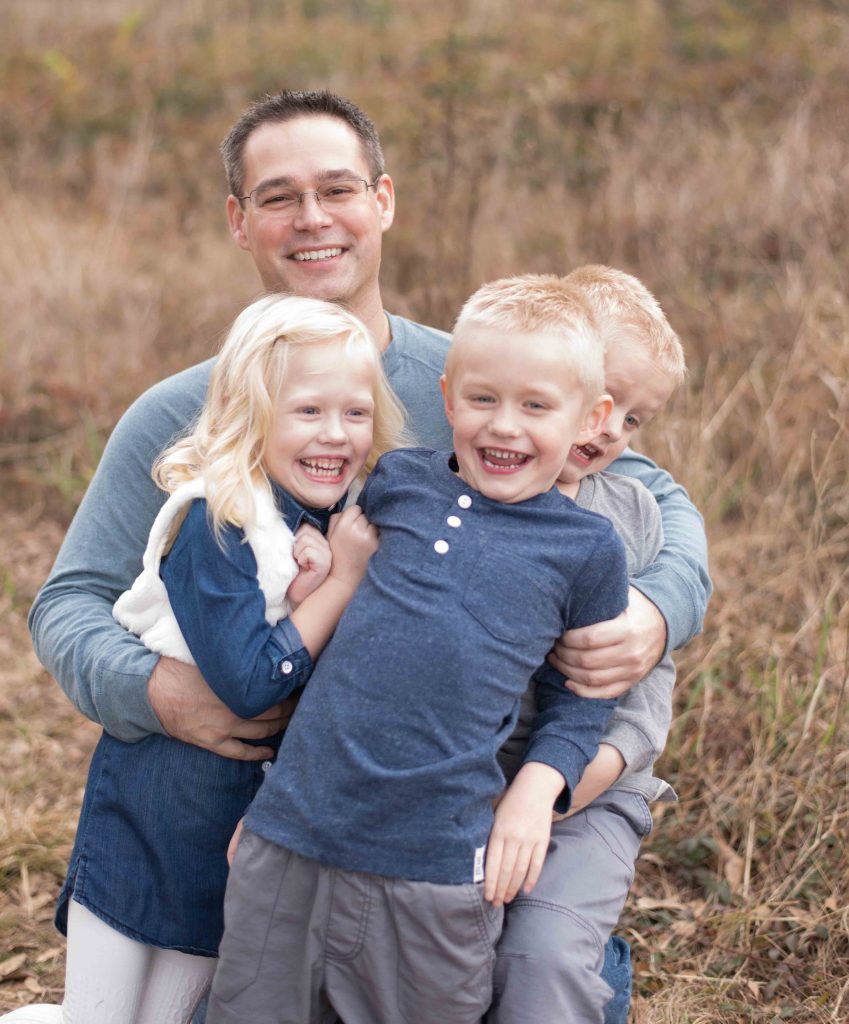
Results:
150 852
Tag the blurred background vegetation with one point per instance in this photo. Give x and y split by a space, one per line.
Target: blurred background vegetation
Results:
701 144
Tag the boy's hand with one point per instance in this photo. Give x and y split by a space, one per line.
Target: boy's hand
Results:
234 842
353 540
312 553
608 658
520 833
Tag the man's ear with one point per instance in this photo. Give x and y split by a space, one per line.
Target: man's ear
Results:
595 419
384 192
446 396
236 221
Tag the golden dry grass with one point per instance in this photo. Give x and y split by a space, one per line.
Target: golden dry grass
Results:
704 147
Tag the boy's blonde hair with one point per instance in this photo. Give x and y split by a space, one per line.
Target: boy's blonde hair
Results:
227 445
536 304
626 310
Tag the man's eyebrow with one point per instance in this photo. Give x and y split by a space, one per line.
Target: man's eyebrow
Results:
286 181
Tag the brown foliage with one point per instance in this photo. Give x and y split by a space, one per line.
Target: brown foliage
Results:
701 146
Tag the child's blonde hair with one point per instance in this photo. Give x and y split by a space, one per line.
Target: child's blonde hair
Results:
538 303
227 445
626 310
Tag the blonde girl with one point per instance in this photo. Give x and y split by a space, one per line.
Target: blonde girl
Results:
245 575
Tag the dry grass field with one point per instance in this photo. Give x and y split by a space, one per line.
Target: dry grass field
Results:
701 145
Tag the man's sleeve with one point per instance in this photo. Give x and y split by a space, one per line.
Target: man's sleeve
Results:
102 668
677 582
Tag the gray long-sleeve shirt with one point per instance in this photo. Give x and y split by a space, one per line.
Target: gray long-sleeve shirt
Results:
104 670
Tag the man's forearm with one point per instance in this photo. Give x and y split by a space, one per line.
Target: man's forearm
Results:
677 582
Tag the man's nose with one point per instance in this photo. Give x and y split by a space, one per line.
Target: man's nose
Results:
310 213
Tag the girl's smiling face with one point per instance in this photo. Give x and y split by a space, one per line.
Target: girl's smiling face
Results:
321 433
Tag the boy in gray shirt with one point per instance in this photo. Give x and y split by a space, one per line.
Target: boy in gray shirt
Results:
551 952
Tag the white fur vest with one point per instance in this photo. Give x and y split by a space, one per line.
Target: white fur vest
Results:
145 609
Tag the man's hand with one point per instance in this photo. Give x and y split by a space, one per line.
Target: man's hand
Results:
608 658
312 553
190 711
520 832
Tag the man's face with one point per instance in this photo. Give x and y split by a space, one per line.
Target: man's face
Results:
333 255
515 409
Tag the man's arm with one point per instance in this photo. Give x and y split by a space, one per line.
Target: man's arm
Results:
104 670
667 600
677 582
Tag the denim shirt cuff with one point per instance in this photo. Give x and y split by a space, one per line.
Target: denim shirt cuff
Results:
291 661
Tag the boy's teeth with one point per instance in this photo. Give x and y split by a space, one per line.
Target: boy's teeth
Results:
318 254
498 456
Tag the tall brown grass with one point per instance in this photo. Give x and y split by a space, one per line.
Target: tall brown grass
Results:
704 147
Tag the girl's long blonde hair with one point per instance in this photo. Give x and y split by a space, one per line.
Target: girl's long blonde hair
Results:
227 445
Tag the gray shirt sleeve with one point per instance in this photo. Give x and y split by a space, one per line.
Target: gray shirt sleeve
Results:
640 722
677 581
102 668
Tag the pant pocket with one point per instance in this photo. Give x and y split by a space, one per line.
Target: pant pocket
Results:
447 937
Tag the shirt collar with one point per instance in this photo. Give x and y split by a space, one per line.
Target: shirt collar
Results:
295 513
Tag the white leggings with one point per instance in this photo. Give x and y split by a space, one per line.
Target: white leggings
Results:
110 979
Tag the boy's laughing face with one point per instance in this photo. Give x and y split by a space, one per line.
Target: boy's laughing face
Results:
640 389
516 408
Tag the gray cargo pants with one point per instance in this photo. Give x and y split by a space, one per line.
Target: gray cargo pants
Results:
305 943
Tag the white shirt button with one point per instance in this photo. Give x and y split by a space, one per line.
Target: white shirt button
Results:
464 501
454 521
266 765
286 668
441 547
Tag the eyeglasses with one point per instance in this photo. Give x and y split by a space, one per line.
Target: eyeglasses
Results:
274 201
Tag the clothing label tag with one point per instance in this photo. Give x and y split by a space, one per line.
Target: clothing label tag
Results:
478 871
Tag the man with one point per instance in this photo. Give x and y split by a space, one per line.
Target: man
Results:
285 158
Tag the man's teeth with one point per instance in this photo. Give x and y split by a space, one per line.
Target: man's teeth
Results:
324 467
500 457
317 254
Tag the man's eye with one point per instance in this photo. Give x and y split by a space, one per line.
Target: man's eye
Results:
277 199
336 191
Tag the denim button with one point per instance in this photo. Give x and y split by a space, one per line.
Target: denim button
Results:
464 501
441 547
286 668
454 521
266 765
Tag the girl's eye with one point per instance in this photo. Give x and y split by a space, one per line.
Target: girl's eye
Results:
632 423
357 413
308 410
536 406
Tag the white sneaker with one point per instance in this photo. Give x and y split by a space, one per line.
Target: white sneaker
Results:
38 1013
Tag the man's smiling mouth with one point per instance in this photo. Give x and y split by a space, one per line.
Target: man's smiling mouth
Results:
312 255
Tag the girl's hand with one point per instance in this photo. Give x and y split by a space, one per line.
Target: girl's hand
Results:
520 833
353 540
312 553
234 842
